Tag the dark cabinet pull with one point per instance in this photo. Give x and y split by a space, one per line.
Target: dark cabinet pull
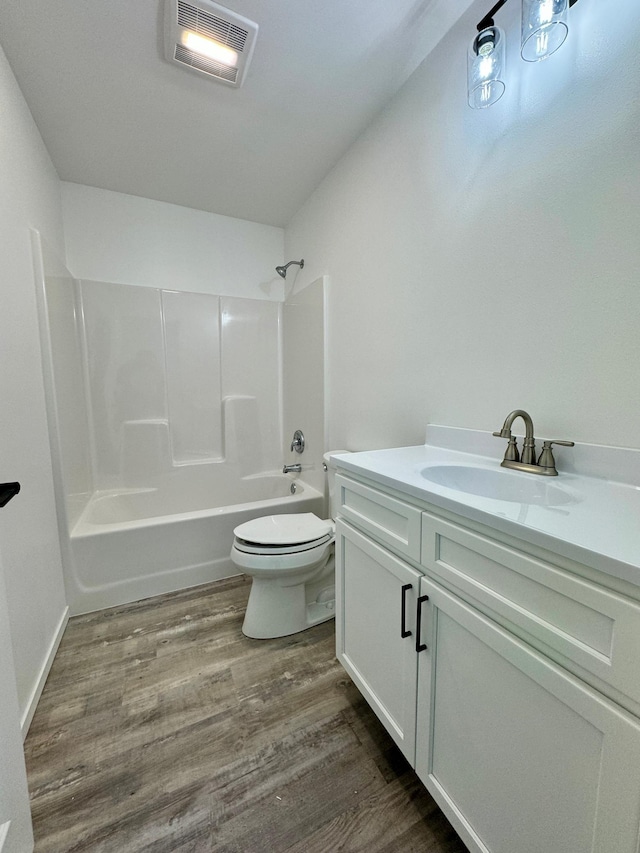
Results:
8 491
420 647
403 617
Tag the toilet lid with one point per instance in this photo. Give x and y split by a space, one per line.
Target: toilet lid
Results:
289 529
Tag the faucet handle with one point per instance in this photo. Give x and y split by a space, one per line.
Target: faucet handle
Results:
298 442
546 459
511 454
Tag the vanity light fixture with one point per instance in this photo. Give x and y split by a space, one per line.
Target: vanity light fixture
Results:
544 29
485 67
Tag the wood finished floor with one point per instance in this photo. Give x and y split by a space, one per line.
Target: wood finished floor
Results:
162 729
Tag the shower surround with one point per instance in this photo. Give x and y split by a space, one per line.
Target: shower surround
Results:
178 380
166 410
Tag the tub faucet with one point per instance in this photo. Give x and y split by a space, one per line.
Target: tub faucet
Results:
292 469
527 462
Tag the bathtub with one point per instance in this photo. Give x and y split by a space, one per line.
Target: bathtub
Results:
131 544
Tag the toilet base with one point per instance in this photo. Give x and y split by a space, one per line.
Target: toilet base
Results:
275 609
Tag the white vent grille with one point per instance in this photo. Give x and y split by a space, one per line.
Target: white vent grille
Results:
213 21
201 63
216 28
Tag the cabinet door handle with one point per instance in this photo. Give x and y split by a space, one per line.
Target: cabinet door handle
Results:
403 616
420 647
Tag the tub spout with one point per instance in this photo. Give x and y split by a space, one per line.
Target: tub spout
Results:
292 469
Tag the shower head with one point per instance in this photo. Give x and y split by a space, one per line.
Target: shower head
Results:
283 270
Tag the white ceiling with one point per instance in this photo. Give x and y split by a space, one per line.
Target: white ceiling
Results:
114 114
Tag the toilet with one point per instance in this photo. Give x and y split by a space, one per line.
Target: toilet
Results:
290 559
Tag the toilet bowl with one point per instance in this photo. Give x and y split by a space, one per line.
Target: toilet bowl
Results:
290 559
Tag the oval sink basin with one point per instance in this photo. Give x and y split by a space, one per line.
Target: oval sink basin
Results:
499 485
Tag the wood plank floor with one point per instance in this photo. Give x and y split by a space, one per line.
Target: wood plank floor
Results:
162 729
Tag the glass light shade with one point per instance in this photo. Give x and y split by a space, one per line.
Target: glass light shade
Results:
485 68
544 27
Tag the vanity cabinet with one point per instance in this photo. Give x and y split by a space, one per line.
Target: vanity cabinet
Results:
506 712
521 755
376 595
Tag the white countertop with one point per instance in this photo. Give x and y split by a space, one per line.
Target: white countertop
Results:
599 527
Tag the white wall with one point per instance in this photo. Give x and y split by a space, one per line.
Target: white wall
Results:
482 261
30 194
129 240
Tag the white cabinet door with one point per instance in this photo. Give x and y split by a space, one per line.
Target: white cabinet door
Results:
376 598
520 755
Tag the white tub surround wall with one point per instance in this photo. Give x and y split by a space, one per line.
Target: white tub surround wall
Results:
129 240
483 260
30 193
303 378
179 380
61 340
181 434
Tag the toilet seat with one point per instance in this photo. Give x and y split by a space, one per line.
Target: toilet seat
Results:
261 548
273 534
292 563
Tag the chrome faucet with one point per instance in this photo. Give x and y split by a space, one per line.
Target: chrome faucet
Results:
527 462
292 469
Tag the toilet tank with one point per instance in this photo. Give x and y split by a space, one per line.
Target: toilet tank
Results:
331 479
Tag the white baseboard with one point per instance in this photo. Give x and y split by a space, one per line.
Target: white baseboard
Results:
32 704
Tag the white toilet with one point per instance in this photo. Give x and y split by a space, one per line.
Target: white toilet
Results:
291 561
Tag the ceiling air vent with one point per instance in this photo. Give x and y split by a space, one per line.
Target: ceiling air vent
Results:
209 39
